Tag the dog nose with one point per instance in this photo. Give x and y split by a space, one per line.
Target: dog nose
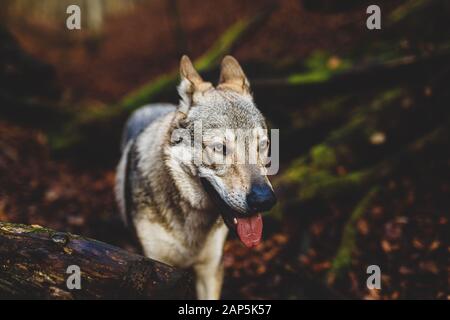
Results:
261 198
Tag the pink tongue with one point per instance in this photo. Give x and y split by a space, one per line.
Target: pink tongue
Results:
250 230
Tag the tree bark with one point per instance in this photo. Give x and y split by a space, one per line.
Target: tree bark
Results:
34 262
377 74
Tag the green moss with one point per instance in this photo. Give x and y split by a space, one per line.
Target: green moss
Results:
323 184
343 257
222 45
207 61
295 174
23 228
385 98
277 212
364 118
318 69
406 9
323 157
148 92
310 77
313 183
72 133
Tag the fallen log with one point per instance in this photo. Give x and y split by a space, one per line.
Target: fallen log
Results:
347 79
343 258
321 183
35 261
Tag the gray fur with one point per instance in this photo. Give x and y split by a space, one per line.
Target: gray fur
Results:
141 118
160 191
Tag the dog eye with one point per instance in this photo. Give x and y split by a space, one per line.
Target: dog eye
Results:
263 144
219 147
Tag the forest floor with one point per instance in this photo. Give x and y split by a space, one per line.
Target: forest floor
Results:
405 230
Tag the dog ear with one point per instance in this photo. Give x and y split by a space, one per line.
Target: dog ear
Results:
232 76
191 84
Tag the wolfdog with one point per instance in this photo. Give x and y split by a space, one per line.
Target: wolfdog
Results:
181 208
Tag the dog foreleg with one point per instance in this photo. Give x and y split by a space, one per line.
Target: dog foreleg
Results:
209 278
209 267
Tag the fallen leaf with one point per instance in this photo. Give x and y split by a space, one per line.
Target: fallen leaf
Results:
429 266
418 244
434 245
362 226
386 246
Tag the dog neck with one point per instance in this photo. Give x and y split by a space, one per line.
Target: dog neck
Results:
187 184
174 183
199 215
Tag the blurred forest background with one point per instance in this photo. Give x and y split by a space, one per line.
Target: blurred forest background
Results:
363 117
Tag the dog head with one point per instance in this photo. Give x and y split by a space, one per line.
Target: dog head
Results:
221 140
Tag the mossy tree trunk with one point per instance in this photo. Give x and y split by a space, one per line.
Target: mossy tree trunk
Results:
34 264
